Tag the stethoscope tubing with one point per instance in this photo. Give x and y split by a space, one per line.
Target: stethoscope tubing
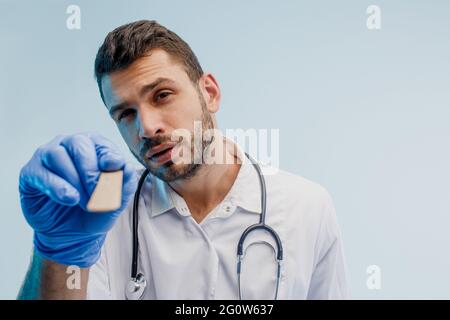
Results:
137 279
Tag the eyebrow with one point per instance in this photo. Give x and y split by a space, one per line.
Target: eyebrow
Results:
144 90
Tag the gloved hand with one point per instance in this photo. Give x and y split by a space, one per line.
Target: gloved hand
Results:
55 186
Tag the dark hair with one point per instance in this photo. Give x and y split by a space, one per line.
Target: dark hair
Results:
125 44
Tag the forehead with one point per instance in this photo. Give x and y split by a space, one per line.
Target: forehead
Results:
125 84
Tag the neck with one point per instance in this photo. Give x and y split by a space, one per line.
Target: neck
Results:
210 185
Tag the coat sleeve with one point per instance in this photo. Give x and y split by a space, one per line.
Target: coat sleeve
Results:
98 282
329 277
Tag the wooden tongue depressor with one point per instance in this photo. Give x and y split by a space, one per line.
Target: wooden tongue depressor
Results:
107 195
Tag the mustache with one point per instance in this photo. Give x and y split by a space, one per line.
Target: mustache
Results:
153 142
150 143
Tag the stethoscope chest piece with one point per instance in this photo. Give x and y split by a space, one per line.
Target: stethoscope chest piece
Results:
136 287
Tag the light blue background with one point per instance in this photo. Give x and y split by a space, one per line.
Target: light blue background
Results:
364 113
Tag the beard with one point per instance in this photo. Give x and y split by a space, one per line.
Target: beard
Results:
170 171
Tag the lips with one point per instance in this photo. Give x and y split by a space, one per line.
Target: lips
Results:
160 151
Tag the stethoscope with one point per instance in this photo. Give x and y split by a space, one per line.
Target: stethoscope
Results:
136 285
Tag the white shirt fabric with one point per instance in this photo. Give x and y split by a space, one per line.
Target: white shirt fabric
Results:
182 259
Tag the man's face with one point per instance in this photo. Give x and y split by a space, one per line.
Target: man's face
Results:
148 101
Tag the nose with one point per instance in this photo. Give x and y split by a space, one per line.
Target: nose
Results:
149 122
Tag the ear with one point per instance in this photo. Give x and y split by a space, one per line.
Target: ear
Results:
211 92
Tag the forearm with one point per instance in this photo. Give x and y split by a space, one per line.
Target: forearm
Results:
49 280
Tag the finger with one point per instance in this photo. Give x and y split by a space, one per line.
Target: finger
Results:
57 160
82 151
108 155
54 142
35 179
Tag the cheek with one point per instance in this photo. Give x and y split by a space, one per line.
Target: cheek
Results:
129 134
183 120
189 111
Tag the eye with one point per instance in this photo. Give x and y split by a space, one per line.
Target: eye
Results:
125 113
162 95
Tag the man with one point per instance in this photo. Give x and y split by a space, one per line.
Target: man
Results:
191 214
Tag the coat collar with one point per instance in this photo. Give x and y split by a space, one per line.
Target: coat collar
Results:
244 193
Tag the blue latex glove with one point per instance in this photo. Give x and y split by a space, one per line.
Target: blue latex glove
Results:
55 186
